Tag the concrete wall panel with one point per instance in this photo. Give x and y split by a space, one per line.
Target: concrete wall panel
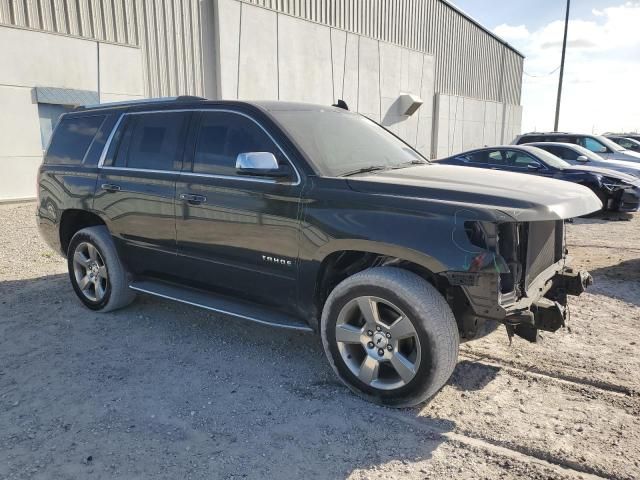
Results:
36 58
369 78
338 57
18 177
228 48
304 61
19 123
350 80
258 54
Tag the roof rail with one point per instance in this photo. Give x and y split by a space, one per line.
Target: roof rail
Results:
546 133
142 101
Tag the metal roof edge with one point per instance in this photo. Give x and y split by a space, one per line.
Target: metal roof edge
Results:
482 27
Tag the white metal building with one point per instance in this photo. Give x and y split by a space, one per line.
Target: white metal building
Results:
380 56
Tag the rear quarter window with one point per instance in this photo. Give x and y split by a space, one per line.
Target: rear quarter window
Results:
72 138
529 139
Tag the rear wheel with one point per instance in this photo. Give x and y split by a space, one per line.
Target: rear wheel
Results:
96 272
390 336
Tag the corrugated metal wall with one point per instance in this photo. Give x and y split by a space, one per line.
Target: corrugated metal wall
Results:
469 60
168 31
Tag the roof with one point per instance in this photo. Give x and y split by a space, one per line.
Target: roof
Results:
482 27
192 102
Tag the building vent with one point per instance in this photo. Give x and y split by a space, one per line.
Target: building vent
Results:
409 104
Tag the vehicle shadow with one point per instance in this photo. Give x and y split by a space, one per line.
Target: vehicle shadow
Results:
603 217
624 278
160 388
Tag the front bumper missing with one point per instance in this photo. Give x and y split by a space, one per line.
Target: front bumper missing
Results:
549 312
543 307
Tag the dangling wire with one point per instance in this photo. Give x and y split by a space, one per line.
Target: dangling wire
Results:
543 75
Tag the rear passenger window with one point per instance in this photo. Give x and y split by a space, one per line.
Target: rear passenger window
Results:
153 141
72 139
496 158
478 157
222 137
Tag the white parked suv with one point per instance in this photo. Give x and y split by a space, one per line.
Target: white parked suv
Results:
577 155
599 144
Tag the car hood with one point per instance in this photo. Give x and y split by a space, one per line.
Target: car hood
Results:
618 175
611 163
520 196
627 155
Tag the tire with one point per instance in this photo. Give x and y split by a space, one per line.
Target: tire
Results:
94 264
604 199
431 351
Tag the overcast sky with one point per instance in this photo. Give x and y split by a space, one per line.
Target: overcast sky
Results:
602 69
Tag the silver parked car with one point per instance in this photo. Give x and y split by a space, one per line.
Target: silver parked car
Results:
599 144
577 155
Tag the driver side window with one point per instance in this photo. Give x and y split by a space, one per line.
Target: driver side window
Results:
517 159
222 136
566 153
593 145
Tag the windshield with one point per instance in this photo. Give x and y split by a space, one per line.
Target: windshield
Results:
609 143
550 159
340 143
586 152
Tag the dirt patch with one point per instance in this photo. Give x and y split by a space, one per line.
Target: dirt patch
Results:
160 390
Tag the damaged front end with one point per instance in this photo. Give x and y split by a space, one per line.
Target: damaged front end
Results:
515 273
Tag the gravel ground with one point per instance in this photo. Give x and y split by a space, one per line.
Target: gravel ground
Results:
160 390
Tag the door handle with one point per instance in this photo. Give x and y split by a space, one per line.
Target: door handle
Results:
110 187
193 199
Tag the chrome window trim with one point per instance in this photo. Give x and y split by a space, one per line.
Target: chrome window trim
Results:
107 144
129 169
103 155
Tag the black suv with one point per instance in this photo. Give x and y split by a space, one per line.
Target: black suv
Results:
311 218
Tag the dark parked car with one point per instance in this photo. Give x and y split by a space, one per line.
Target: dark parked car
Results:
616 190
309 218
580 156
626 142
599 144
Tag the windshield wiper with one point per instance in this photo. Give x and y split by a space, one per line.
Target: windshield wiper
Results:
373 168
411 163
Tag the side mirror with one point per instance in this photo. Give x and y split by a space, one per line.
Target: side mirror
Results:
582 158
262 164
534 166
602 150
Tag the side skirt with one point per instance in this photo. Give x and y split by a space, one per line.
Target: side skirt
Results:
220 304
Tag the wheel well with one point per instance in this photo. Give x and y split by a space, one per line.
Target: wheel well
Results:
72 221
339 265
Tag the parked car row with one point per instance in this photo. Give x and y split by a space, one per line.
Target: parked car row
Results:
600 144
630 141
607 168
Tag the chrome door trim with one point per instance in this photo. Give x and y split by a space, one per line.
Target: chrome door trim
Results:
107 144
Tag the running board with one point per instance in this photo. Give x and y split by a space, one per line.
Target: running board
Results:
219 303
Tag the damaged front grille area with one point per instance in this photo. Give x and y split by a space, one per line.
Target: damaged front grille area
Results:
528 249
521 251
544 248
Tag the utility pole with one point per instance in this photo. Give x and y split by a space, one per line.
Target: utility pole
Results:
564 49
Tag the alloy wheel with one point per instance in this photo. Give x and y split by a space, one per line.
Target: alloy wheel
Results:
378 342
90 272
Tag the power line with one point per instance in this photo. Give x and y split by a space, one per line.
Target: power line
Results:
544 74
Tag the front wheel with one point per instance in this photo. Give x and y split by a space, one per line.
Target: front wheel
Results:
390 336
